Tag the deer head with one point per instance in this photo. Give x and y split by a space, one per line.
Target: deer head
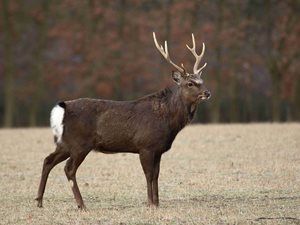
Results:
191 84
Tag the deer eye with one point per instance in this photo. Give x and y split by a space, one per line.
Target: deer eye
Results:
190 84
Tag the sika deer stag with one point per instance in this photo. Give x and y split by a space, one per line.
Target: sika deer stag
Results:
146 126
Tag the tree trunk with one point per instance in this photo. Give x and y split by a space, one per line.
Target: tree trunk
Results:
91 24
215 110
9 98
275 102
234 54
168 31
296 100
276 92
119 54
38 66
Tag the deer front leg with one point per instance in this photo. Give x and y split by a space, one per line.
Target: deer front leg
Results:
155 180
150 163
147 158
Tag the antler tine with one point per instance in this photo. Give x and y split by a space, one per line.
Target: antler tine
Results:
198 57
165 53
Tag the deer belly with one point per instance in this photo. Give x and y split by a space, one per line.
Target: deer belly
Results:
115 144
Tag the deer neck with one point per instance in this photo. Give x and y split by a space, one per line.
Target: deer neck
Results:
181 111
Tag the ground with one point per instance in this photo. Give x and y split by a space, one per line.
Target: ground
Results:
213 174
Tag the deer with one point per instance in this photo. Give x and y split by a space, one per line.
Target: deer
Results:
146 126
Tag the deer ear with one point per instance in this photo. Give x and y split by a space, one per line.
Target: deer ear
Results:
177 77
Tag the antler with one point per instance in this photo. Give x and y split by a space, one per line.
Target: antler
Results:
198 57
165 53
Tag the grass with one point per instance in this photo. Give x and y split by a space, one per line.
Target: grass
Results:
214 174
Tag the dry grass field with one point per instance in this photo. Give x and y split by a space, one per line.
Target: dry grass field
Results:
214 174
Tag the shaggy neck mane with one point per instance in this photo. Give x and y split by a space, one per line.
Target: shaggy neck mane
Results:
169 102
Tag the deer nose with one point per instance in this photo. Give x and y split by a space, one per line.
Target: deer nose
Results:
207 94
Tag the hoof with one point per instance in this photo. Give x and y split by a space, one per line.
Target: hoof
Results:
153 205
39 202
82 208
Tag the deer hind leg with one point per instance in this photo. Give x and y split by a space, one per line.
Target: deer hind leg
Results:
50 161
150 164
70 169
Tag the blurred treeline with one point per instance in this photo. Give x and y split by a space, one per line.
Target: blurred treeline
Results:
54 50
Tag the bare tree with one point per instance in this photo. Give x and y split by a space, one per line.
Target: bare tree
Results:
38 62
9 68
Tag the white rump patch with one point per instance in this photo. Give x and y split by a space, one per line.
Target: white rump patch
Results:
56 122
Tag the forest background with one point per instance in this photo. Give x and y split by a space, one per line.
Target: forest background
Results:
54 50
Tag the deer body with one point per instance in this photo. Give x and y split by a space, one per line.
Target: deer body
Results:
146 126
126 126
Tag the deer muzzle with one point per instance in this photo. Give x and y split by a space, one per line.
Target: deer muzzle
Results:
204 95
207 94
